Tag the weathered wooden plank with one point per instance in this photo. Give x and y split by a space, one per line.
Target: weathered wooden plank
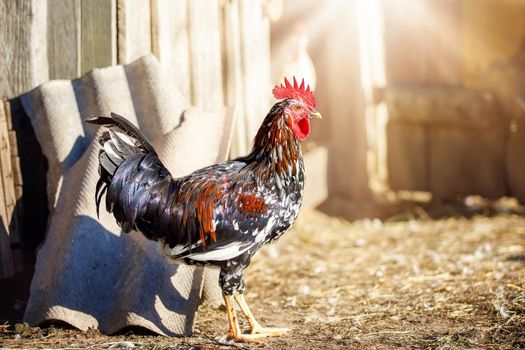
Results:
98 34
15 157
205 51
15 167
467 161
316 186
14 209
6 170
405 40
246 52
18 186
233 77
6 258
23 51
442 106
63 35
445 140
23 54
170 41
255 51
345 132
407 158
12 140
444 51
133 30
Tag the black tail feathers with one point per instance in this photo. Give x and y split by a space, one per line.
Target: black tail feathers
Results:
119 124
120 141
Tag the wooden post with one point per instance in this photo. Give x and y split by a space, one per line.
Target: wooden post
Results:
255 51
246 58
233 77
23 50
23 54
170 41
205 52
133 30
63 33
6 258
6 169
98 34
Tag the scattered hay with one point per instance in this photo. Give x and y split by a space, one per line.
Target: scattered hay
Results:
443 284
510 330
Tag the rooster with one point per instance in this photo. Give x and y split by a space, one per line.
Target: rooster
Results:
219 215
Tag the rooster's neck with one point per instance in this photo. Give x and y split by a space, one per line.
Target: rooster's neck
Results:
275 149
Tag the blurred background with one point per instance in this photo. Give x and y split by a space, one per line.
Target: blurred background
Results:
423 101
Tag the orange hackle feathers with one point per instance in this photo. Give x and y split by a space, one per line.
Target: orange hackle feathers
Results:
296 92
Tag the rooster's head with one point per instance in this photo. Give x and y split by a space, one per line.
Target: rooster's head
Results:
299 106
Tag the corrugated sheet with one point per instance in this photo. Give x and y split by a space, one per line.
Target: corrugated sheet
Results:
88 274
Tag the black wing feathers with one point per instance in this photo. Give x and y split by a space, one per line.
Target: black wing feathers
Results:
201 211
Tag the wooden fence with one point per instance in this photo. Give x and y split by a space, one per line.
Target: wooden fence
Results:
452 81
216 51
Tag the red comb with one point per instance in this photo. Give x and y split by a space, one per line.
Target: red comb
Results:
295 92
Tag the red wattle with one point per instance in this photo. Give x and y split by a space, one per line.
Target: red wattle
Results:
301 129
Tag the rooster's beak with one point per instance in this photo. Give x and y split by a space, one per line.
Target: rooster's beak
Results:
316 115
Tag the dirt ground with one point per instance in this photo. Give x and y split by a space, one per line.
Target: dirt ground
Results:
452 283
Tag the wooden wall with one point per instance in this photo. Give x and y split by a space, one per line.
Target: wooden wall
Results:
448 124
215 51
417 95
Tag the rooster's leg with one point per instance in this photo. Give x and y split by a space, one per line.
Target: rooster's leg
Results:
255 327
235 331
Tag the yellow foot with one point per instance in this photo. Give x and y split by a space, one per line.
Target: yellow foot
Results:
269 331
246 338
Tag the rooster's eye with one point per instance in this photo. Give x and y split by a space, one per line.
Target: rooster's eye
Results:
297 108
